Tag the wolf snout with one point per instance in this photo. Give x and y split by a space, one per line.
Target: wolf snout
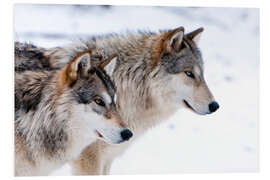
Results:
126 134
213 106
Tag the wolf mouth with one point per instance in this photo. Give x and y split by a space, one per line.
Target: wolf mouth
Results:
189 106
98 134
192 109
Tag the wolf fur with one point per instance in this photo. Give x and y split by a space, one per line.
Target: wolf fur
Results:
156 74
60 112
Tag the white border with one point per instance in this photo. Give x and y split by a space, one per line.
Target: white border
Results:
6 165
201 3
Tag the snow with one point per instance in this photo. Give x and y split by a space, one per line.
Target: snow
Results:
226 141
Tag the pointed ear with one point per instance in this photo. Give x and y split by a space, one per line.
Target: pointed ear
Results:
78 66
109 64
195 35
173 39
166 43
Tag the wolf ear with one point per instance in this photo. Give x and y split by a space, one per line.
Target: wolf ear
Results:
166 43
173 39
109 64
195 35
78 66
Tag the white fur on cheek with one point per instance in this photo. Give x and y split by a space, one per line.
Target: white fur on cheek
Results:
185 92
181 91
87 122
83 124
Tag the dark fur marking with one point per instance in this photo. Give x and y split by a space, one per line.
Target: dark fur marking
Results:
29 99
137 68
156 73
53 141
30 57
83 97
104 77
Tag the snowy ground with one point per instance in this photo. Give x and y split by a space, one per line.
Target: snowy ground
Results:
226 141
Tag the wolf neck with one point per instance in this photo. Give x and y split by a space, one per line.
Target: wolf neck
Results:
42 128
50 131
141 99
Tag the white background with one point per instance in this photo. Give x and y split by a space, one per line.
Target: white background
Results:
223 142
193 131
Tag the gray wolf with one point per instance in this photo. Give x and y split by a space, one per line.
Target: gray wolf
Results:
60 112
156 74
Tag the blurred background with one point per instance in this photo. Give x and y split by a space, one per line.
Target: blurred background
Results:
226 141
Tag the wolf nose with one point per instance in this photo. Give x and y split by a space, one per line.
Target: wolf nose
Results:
126 134
213 106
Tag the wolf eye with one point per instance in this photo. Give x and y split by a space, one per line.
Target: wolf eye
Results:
189 74
99 102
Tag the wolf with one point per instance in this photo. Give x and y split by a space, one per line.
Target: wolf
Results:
156 74
60 112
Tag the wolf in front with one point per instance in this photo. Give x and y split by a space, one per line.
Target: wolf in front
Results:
156 74
60 112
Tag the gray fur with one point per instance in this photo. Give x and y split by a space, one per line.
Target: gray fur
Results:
30 57
188 56
143 75
44 112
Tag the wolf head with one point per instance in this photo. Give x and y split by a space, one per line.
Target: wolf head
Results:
94 98
178 61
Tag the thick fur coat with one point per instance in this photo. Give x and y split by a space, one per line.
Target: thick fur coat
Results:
156 74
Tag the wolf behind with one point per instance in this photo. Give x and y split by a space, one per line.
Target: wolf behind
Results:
60 112
156 74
